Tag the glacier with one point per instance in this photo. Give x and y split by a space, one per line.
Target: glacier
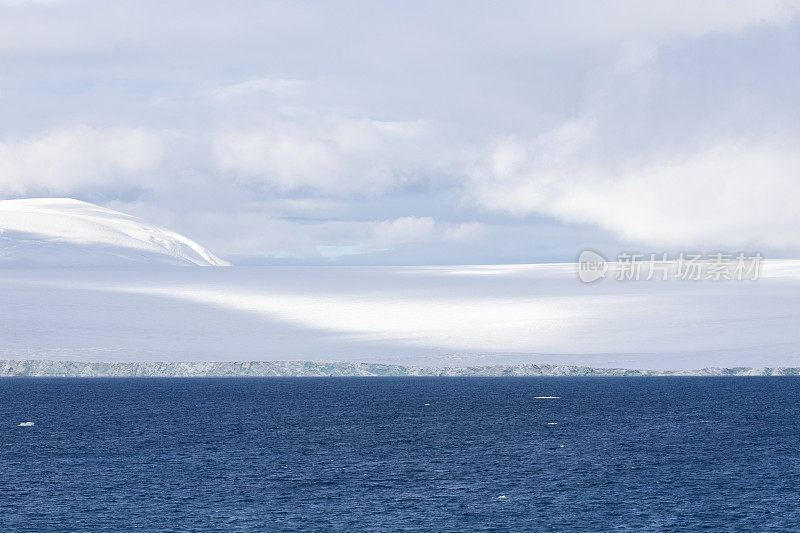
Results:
84 285
38 368
443 316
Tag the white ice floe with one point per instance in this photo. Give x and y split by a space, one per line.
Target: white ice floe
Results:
26 424
546 397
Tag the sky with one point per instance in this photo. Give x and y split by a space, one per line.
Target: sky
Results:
413 132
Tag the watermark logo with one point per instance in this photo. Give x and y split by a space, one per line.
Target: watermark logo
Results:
591 266
717 266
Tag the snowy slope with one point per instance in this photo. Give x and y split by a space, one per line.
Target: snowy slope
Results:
484 315
52 232
459 315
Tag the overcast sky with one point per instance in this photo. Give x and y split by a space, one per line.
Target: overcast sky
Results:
413 132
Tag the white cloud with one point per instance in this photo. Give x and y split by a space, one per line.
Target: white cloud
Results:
251 232
274 87
87 27
705 184
403 229
724 194
464 232
630 18
642 114
326 154
29 2
77 159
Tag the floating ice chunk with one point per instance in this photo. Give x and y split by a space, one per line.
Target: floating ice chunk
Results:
26 424
552 423
546 397
501 497
427 404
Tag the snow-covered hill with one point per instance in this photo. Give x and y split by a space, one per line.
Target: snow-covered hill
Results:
58 232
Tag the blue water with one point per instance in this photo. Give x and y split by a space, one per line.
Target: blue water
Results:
355 454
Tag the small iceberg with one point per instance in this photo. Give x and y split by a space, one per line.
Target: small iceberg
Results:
552 423
547 397
26 424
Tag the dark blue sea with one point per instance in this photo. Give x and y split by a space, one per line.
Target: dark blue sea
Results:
400 454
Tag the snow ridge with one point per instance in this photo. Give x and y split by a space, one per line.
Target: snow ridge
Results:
54 232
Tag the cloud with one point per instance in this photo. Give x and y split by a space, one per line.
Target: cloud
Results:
29 2
284 128
252 233
274 87
326 154
642 163
733 193
403 229
464 232
291 29
659 20
73 160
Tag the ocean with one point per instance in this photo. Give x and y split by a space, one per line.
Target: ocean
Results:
400 454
